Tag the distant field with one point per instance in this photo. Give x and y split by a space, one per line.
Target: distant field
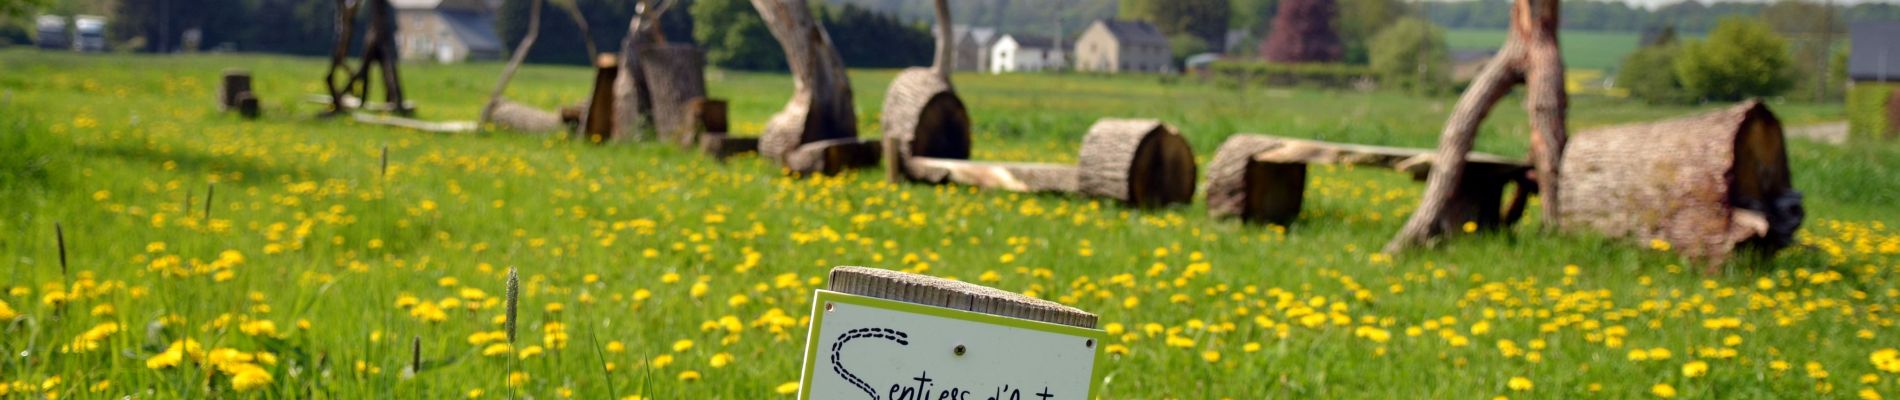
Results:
1582 49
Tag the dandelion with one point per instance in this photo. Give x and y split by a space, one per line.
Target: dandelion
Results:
787 388
682 345
1695 369
1520 384
1663 390
720 360
7 313
1659 245
689 376
1210 356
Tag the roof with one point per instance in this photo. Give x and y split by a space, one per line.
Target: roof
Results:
475 30
1876 54
1134 32
983 35
1031 42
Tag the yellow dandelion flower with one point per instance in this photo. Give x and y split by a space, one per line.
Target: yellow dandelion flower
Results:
1695 369
689 376
682 345
1663 390
1210 356
787 388
1520 384
720 360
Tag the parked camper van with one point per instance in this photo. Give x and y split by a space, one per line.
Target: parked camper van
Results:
90 33
52 32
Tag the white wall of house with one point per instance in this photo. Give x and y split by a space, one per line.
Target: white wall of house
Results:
1008 55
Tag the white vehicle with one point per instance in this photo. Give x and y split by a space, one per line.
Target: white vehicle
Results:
52 32
90 32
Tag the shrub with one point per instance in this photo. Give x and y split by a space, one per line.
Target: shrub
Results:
1412 55
1650 74
1868 110
1743 57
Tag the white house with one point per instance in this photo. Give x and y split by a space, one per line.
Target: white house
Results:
446 30
1024 53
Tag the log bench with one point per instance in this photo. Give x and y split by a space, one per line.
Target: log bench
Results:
1262 179
1139 162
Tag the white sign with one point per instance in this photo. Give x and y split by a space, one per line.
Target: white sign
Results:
864 348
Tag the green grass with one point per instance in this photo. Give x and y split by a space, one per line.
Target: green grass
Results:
1581 49
307 233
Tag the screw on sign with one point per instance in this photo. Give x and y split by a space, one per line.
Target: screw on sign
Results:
882 334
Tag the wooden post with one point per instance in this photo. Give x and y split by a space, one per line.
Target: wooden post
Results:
597 125
939 292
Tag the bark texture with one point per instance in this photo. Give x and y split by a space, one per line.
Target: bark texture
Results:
598 123
1707 184
1142 162
675 77
821 107
1529 56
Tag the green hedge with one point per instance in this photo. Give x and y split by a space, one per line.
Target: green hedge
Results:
1276 74
1867 110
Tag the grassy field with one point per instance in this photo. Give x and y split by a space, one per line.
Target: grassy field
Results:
651 272
1581 49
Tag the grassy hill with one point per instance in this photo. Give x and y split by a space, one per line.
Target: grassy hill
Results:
652 272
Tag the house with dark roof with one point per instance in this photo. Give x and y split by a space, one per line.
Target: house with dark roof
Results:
446 30
1025 53
1876 52
972 46
1116 46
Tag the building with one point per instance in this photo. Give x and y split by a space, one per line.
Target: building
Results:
1873 74
973 46
52 33
446 30
1116 46
1024 53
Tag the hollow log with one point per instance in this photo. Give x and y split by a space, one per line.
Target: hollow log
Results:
1707 184
821 107
1142 162
598 123
1529 56
1262 178
833 156
525 118
235 81
247 105
1014 177
922 115
675 76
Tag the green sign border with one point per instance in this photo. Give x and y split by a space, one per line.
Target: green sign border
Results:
820 297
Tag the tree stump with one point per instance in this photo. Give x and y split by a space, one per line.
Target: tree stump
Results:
833 156
632 107
1141 162
711 115
597 124
821 106
939 292
1262 178
1706 184
247 105
922 115
235 81
675 76
525 118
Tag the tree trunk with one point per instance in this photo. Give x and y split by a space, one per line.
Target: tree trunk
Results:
1530 56
598 123
339 56
675 77
514 63
922 115
235 81
1706 184
1893 115
1144 163
1014 177
379 49
821 107
632 110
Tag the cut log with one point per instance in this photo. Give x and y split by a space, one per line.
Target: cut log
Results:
1142 162
525 118
247 105
235 81
720 146
598 123
416 124
922 115
675 76
711 115
923 118
1706 184
821 106
834 156
1262 178
1014 177
938 292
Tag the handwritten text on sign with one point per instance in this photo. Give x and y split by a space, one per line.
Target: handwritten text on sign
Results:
869 348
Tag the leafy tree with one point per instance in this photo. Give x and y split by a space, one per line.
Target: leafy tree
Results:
1412 55
1359 20
1205 19
19 8
1741 58
866 39
1303 32
160 24
735 36
1650 74
1185 45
